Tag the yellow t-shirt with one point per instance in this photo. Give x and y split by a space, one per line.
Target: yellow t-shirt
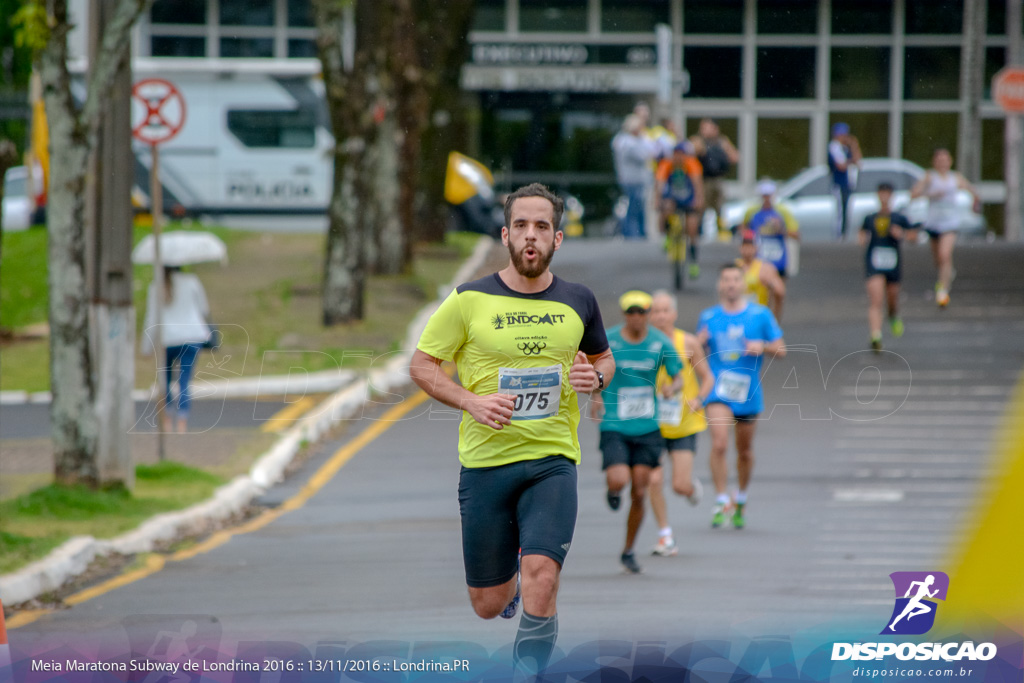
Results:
690 422
752 276
524 344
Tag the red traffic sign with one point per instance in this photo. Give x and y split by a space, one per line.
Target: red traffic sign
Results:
1008 89
158 111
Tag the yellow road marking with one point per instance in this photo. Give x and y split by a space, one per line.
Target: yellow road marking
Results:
320 478
284 418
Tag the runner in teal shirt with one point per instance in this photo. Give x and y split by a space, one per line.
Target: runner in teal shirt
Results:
631 441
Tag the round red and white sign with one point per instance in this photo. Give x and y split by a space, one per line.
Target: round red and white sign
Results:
158 111
1008 89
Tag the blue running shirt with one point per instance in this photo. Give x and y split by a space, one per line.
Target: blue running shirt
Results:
737 375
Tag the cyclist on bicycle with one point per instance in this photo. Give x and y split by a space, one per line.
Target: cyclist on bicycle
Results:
681 188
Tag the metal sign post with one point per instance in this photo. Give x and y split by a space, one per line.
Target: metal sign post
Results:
163 117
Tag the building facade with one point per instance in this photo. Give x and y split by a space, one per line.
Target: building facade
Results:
550 80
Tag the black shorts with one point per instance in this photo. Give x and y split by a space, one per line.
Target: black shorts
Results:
621 449
891 276
529 505
683 443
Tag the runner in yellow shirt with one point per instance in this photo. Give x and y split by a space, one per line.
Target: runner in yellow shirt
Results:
525 343
680 418
762 278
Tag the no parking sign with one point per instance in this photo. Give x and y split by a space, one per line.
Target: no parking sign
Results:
158 111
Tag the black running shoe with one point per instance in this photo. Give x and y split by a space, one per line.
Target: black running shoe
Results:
614 500
629 563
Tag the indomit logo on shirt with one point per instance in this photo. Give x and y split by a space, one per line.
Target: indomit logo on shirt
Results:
519 319
915 608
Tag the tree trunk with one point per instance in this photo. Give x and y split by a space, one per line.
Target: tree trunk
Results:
347 88
391 235
345 264
443 30
73 135
972 76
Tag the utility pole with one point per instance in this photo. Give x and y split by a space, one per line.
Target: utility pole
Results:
1013 221
109 236
972 76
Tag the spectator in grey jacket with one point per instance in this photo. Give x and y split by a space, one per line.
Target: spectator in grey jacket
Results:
633 154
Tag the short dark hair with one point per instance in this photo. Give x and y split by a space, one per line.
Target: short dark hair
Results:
535 190
886 186
729 264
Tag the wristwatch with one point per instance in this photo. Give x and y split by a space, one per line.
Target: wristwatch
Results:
600 379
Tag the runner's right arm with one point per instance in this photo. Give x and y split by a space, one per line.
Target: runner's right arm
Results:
493 410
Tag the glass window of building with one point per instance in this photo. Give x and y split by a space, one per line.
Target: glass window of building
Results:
713 16
637 16
787 16
935 16
870 128
714 71
300 13
730 128
177 46
178 12
785 72
860 73
273 128
931 73
996 17
247 47
553 16
992 149
783 147
489 15
301 48
995 59
851 17
923 132
247 12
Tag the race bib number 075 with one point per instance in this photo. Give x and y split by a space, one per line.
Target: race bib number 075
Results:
537 391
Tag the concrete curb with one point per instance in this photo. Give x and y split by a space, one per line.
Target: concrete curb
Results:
73 557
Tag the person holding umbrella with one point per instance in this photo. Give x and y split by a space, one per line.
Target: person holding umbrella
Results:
177 311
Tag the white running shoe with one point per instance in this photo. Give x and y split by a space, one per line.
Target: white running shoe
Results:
698 492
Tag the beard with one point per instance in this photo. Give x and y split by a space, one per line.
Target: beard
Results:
535 269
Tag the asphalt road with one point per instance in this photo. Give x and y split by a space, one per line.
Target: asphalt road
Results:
866 464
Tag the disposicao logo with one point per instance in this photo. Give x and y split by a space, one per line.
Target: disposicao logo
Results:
916 592
913 615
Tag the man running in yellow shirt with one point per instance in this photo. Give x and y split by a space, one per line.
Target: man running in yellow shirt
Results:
525 343
762 278
680 419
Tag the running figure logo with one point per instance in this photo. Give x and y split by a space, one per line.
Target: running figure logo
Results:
919 591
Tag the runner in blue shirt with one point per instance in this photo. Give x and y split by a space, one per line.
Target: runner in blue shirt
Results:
737 334
631 440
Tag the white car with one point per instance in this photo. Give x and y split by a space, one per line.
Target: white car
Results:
18 206
808 195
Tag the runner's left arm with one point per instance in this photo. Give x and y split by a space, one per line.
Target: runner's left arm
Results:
594 354
774 344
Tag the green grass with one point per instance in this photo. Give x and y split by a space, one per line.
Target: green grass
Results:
266 302
35 523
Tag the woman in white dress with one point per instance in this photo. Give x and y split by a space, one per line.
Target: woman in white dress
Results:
940 185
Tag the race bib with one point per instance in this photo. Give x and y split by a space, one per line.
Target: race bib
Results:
636 403
733 386
537 391
884 258
772 250
670 411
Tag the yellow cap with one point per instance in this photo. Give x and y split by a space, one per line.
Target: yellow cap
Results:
635 299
